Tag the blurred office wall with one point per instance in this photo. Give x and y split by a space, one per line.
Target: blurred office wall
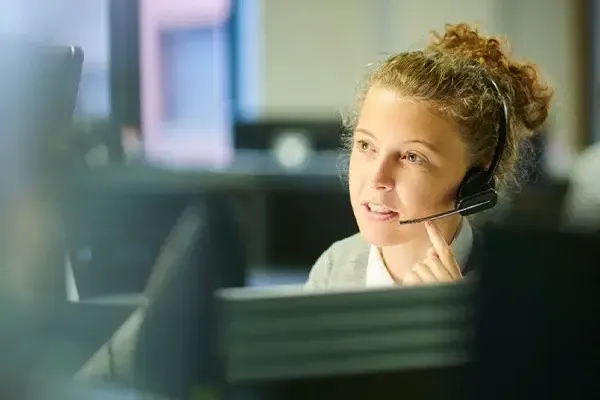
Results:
315 52
550 33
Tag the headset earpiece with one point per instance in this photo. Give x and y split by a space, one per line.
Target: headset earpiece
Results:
475 181
476 193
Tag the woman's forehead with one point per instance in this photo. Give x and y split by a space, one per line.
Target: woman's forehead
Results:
390 117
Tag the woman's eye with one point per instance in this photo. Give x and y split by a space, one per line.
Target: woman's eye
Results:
413 158
363 145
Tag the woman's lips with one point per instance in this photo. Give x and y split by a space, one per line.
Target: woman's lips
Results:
379 212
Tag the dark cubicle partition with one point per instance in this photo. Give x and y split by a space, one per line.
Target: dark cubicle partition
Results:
287 220
117 219
537 315
176 346
538 204
114 238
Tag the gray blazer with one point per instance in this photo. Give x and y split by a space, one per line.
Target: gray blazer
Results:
344 263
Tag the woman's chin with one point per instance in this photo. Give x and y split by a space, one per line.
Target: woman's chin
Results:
384 236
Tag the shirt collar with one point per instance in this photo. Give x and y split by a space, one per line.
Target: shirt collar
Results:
463 243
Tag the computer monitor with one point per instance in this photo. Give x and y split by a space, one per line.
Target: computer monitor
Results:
40 85
286 343
537 314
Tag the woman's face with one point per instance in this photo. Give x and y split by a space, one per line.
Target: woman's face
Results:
406 162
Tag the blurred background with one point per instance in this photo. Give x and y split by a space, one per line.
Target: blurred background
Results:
202 152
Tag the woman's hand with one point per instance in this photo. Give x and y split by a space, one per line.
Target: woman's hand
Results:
440 264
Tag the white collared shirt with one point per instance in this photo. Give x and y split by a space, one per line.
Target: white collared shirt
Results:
379 276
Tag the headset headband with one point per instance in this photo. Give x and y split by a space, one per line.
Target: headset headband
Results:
502 135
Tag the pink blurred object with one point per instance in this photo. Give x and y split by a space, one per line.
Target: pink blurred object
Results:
182 13
176 148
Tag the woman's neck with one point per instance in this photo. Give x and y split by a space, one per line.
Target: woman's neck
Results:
399 259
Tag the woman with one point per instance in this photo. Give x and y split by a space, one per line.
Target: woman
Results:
426 118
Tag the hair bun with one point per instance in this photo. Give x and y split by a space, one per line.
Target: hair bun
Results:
465 42
521 82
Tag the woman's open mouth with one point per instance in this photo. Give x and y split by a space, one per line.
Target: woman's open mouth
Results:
379 212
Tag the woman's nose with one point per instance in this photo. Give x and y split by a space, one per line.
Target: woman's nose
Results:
382 178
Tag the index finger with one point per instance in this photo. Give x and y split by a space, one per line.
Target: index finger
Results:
443 249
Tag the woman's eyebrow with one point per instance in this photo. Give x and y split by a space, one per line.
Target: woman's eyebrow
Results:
429 145
425 143
365 132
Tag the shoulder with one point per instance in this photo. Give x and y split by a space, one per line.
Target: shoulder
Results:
340 264
348 245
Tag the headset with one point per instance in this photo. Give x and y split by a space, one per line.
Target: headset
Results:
477 191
